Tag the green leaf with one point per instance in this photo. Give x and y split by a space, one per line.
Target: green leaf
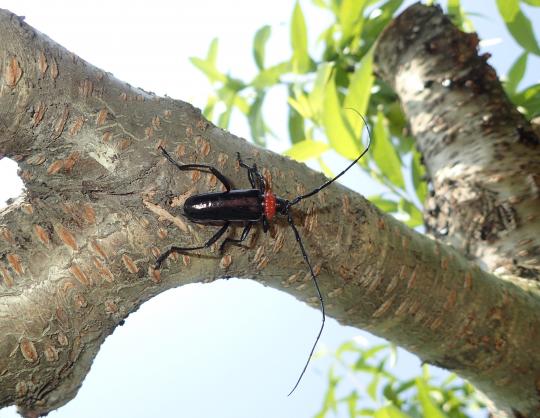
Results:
390 394
234 84
209 69
430 409
426 375
360 85
449 379
352 400
397 123
321 3
406 385
241 104
455 11
317 95
211 55
535 3
256 121
327 39
371 352
415 216
228 96
259 45
299 41
529 100
376 22
208 111
359 93
346 347
390 411
208 65
373 386
516 73
329 402
351 15
522 31
301 104
307 149
525 97
270 76
325 169
393 354
225 118
386 205
296 125
384 153
508 9
336 128
458 16
362 366
418 173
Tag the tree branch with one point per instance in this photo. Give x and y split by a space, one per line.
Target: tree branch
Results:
484 164
101 203
480 152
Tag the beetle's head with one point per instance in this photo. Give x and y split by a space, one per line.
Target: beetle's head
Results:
282 206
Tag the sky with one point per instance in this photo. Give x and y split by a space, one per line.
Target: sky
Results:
230 349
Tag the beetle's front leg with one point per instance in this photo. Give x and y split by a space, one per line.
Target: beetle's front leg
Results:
255 177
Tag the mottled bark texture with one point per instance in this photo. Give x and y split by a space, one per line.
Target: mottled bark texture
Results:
481 154
483 160
101 202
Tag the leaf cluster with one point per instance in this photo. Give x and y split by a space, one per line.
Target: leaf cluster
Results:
520 27
379 393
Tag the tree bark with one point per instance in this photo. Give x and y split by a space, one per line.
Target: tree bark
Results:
101 203
483 160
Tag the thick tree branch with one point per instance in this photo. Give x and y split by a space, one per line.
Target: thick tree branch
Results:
484 163
101 203
482 155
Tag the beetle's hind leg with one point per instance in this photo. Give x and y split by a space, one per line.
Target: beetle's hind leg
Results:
205 168
175 249
235 241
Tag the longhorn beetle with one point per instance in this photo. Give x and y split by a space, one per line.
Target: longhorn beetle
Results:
247 207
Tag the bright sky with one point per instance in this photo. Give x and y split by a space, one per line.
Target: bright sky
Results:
231 349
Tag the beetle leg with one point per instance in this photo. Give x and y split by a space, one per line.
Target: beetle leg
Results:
260 178
175 249
250 170
235 241
241 162
199 167
265 224
251 178
255 177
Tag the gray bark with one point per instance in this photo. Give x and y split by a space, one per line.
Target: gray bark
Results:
101 203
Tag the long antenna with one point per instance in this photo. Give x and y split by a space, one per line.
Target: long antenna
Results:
314 278
303 250
329 182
